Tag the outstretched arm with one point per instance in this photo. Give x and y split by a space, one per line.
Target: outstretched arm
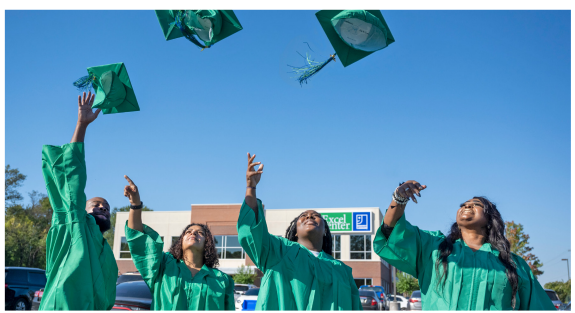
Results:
395 210
85 116
253 177
135 218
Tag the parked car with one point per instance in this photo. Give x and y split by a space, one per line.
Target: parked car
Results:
247 301
415 300
130 276
242 288
403 303
369 300
554 298
36 300
20 284
380 293
565 307
132 296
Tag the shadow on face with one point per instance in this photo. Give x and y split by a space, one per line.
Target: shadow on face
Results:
471 214
194 238
100 209
310 223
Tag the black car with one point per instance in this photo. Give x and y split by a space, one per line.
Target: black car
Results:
369 300
132 296
126 277
20 285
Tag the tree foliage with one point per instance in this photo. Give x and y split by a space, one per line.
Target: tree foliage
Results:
519 245
26 227
563 289
245 275
109 235
406 284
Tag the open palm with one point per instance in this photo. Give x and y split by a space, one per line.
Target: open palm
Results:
85 114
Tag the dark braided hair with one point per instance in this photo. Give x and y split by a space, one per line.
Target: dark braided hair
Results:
291 232
495 230
210 251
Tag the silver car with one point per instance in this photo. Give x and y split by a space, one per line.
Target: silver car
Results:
554 298
415 300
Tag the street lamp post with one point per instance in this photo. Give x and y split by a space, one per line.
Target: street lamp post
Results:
568 275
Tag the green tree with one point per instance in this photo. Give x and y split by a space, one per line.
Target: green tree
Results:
13 180
245 275
406 284
109 235
519 245
563 289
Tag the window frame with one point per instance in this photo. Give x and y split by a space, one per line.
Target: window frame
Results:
365 250
334 251
221 250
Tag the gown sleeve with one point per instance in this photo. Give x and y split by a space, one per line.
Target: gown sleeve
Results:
78 264
532 296
147 253
229 301
408 248
264 249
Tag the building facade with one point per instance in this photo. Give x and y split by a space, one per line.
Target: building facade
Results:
353 231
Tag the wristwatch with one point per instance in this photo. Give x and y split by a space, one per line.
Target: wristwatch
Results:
137 207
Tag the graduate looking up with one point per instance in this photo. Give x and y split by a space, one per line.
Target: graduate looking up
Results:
81 270
184 278
472 268
299 271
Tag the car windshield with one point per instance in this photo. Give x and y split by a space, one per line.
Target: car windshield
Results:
376 289
552 295
416 294
126 278
133 290
252 292
241 288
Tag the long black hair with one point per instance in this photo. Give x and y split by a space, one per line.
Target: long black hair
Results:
210 252
495 230
291 232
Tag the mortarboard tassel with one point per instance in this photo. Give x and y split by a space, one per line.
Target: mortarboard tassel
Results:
85 83
306 72
179 22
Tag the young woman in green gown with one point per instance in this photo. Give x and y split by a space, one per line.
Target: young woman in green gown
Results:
184 278
299 271
472 268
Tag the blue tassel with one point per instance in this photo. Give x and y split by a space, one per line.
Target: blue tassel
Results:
179 22
312 67
85 83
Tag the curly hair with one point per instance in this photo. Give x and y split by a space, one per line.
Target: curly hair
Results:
495 236
291 232
210 252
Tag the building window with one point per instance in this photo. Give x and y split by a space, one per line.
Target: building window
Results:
360 247
229 247
362 281
336 249
175 239
124 249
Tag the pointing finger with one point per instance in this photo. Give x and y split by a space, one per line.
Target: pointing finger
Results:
129 180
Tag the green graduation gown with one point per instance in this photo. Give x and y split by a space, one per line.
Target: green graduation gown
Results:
170 280
81 270
475 280
294 278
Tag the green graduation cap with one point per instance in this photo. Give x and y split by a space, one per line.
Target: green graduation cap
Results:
354 34
112 86
209 26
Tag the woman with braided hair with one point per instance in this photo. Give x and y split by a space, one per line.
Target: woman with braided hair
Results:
185 278
472 268
299 271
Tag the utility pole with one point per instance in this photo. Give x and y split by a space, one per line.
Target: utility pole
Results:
394 305
568 275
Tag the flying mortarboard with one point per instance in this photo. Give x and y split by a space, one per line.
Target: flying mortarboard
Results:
112 86
210 26
354 34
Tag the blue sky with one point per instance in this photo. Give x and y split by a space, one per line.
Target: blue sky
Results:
467 102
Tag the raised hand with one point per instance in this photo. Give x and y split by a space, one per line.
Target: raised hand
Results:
409 189
253 176
85 114
131 191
